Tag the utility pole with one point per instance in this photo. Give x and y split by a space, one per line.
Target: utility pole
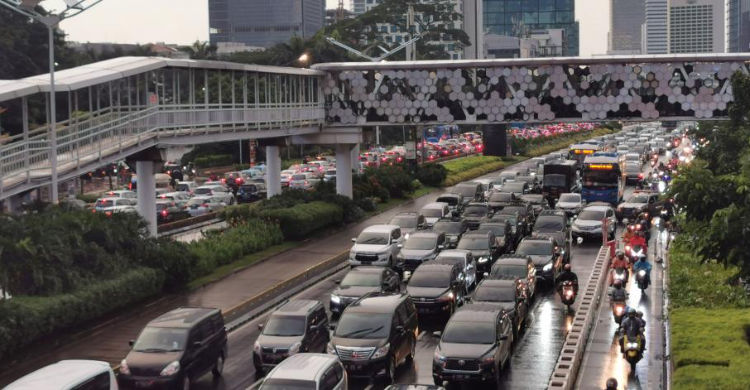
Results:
411 49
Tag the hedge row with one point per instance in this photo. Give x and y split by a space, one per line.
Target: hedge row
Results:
468 163
304 219
216 160
563 142
473 173
25 319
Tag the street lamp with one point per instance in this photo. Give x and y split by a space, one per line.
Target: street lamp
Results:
302 59
72 8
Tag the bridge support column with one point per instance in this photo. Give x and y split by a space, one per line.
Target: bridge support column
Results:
273 171
344 169
15 204
495 140
147 193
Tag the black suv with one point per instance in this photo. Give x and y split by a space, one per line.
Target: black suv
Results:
525 211
296 326
510 294
503 235
538 203
360 281
453 228
535 186
418 248
482 246
475 346
555 223
375 334
474 212
498 200
437 288
471 192
516 267
251 192
546 255
176 349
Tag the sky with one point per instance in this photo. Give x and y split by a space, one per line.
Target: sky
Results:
149 21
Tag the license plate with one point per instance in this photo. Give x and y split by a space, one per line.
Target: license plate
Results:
423 310
144 384
366 262
353 367
461 377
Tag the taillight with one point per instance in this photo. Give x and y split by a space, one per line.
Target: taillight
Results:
93 211
204 205
108 213
164 213
238 180
640 176
223 180
306 183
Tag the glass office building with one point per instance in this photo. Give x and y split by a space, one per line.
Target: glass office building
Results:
738 26
518 17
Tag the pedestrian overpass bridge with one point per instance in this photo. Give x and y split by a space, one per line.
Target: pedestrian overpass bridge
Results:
112 109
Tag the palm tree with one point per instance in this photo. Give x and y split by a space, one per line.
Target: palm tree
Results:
202 50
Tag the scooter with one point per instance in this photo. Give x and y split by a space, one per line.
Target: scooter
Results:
620 274
640 280
618 311
632 351
568 294
634 252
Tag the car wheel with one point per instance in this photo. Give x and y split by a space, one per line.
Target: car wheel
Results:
219 366
186 383
413 353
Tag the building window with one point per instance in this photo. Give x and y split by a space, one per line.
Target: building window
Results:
398 38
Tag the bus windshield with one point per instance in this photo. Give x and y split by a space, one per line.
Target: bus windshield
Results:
604 178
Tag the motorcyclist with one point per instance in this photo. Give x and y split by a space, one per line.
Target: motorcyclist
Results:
639 239
618 262
643 264
643 219
611 384
662 167
628 234
619 294
631 327
565 276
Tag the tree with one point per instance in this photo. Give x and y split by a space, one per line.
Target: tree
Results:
202 50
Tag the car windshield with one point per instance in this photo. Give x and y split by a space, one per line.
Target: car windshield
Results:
183 187
475 211
299 177
247 188
105 203
203 191
373 238
364 279
461 332
364 326
534 248
432 213
421 243
520 209
447 227
495 294
422 278
638 199
501 197
632 168
553 180
469 191
515 271
451 200
404 222
533 199
154 339
162 206
470 243
285 326
591 215
549 224
288 384
498 230
570 198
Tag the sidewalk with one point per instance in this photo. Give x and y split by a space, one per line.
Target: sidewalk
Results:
108 338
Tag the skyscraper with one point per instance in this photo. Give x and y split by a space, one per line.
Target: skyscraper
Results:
696 26
655 28
517 17
626 18
738 26
263 23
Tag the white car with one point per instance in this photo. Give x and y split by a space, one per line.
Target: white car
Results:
180 198
434 211
330 175
570 203
589 222
203 204
221 192
486 185
303 180
127 194
376 245
114 205
307 371
69 375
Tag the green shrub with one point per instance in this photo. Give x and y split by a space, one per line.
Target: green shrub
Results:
175 260
455 178
368 204
24 319
216 160
305 218
468 163
432 174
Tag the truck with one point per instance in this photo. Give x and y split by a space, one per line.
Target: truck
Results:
560 176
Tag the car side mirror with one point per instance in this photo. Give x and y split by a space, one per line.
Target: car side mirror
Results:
354 240
400 245
337 281
331 327
260 326
399 329
441 246
437 334
131 343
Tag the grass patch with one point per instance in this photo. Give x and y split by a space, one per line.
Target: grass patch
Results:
393 202
710 348
225 270
477 166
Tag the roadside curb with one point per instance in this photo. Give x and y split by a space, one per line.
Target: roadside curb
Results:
565 373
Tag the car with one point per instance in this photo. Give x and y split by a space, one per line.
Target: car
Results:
517 187
376 245
486 186
555 223
453 228
169 211
409 222
589 222
455 202
475 346
525 211
509 175
217 191
186 187
330 175
405 386
510 294
303 181
434 211
417 249
109 206
517 226
516 267
570 203
312 371
537 202
498 200
125 194
437 288
200 205
375 334
474 212
295 327
471 192
535 186
482 246
502 232
640 201
361 281
161 191
465 261
633 172
176 349
180 198
546 255
249 192
69 375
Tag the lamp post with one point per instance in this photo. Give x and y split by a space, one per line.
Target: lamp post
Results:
72 8
302 60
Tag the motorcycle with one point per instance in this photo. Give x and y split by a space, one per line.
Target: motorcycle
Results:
568 294
618 311
634 252
632 351
640 280
619 274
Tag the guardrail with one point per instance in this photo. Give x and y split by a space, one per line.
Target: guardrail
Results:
566 370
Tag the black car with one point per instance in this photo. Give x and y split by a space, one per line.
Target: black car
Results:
437 288
516 267
475 346
168 211
482 246
375 334
498 200
510 294
525 211
176 349
503 235
361 281
295 327
251 192
546 255
517 187
517 227
418 248
557 224
455 202
537 202
535 185
453 228
474 213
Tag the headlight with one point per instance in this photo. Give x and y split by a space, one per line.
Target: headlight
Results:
632 345
256 346
406 236
330 349
642 273
382 351
335 299
438 357
171 369
547 267
489 358
445 297
295 348
483 260
124 369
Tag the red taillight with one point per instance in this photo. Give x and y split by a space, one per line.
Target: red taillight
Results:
306 183
164 213
130 186
108 213
640 176
204 205
93 211
223 180
238 180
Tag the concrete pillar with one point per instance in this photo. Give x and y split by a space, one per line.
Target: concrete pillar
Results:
15 204
273 171
355 157
147 193
344 169
495 139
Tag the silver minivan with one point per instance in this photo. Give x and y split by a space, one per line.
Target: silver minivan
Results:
316 371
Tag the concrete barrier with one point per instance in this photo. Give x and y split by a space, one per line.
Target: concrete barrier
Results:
566 370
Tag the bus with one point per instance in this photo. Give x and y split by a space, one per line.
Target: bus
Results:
602 179
579 152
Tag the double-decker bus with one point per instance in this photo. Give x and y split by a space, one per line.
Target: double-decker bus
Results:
602 179
579 152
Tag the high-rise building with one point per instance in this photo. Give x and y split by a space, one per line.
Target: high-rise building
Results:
473 17
517 17
654 31
696 26
263 23
626 18
362 6
738 26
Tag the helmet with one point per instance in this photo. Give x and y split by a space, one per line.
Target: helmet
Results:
620 254
631 312
618 283
567 267
612 384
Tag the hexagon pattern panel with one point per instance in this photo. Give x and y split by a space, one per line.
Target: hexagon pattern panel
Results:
530 93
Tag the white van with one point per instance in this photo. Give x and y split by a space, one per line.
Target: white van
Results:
69 375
